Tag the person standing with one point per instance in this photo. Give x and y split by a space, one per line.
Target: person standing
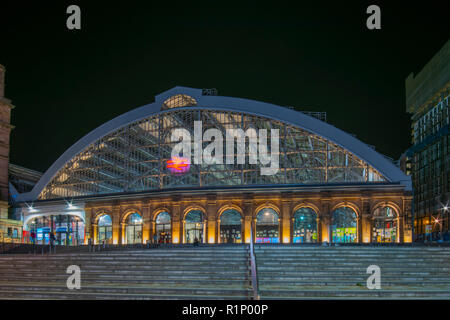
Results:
52 238
33 237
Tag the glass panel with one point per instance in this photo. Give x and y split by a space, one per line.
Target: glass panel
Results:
305 226
194 226
163 228
267 226
384 225
230 227
135 158
344 225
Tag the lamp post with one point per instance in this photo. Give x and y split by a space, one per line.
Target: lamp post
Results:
444 209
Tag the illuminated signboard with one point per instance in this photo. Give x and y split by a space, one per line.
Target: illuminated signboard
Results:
178 165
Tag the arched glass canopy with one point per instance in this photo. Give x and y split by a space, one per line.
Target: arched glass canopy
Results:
134 158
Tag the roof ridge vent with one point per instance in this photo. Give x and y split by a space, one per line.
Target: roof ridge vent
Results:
210 92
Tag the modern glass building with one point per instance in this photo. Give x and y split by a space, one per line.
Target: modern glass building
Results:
239 164
427 100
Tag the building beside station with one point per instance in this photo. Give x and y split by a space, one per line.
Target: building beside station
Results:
121 183
10 228
427 100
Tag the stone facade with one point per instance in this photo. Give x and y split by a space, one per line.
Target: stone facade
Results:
248 205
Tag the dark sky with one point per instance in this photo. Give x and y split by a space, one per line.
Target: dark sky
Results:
316 57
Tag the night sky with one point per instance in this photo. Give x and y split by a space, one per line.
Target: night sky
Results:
317 57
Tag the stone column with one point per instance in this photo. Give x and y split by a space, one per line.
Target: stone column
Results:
326 221
359 229
123 236
177 224
211 213
401 226
371 225
146 223
248 216
286 235
94 233
365 221
319 228
117 235
87 225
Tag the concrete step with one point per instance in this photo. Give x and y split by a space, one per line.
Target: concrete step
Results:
120 280
20 295
288 284
144 289
362 293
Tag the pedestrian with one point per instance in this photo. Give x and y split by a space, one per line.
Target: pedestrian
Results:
33 237
52 238
155 238
195 242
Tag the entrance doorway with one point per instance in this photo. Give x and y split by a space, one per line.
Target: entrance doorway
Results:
194 225
163 228
305 226
133 229
267 226
344 225
104 229
384 225
230 227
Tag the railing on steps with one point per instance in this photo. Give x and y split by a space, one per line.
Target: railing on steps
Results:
253 268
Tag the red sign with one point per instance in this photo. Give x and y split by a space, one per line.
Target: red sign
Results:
178 165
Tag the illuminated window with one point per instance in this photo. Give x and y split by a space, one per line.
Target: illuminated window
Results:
267 226
194 226
230 227
178 101
344 225
163 228
305 226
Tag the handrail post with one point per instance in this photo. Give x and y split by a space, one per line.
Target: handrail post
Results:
253 267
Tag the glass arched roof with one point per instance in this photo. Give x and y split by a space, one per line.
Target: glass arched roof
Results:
130 153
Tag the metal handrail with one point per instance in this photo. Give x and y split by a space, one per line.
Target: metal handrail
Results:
253 268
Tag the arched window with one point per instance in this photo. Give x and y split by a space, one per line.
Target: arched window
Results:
305 226
105 229
133 229
163 228
267 226
68 229
344 225
230 227
384 225
194 226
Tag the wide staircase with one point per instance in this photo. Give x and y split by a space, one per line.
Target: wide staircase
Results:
204 272
317 272
223 272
